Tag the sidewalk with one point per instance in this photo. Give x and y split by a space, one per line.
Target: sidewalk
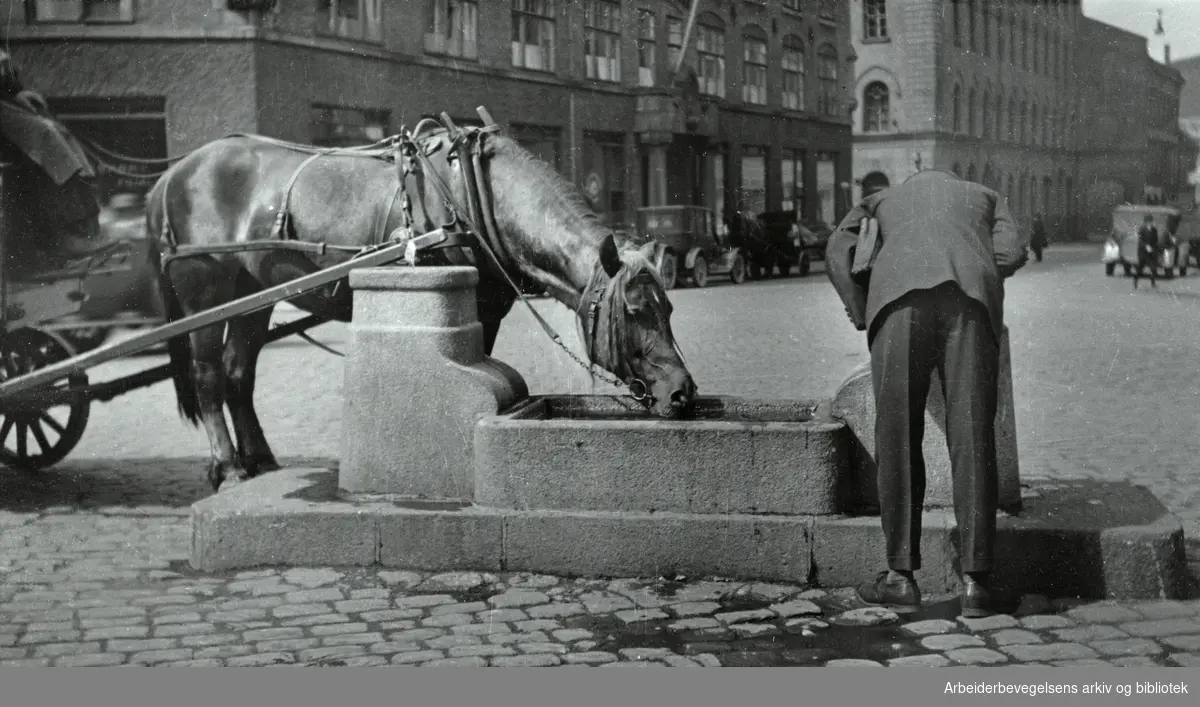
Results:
112 587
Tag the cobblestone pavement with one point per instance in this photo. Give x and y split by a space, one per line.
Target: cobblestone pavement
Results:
93 552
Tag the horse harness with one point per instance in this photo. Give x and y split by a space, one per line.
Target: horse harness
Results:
462 231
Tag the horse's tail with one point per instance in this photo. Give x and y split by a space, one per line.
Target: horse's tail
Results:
179 349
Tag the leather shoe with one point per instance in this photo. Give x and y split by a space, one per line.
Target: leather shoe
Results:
976 598
892 590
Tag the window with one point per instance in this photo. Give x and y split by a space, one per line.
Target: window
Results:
454 28
956 110
1000 35
972 113
793 73
998 118
875 108
1022 130
1035 125
827 186
674 40
604 157
754 56
828 9
76 11
351 19
1011 129
970 173
827 75
1014 40
710 50
875 19
135 127
987 26
956 21
971 38
791 176
602 40
533 35
1026 44
645 47
985 120
754 180
334 126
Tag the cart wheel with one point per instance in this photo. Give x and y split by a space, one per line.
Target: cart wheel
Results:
669 270
700 272
1109 268
804 265
54 431
738 272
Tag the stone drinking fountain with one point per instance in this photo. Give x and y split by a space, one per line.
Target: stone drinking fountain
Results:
448 463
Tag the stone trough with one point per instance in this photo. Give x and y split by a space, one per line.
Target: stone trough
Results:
448 463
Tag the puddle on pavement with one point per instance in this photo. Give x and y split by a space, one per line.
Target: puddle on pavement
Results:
789 647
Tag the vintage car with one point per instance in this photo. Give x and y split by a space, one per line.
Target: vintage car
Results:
123 297
1120 248
689 245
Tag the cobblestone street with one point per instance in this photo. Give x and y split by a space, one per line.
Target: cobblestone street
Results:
93 553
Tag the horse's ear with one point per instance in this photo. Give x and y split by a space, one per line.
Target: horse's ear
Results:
610 258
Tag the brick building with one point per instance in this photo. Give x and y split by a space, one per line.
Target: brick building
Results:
761 119
1064 115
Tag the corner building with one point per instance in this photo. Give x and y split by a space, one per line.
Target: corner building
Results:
759 119
1064 115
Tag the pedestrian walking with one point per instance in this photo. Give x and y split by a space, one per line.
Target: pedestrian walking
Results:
1037 237
1147 254
932 299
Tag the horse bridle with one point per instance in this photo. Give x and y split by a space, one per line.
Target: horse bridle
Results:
412 158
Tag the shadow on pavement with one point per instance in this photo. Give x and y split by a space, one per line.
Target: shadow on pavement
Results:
154 484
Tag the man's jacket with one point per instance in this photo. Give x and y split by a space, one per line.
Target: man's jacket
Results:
935 228
1147 239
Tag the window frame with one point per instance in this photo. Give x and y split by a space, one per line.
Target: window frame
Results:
593 31
449 38
522 14
794 46
127 11
878 120
755 68
827 100
329 22
647 47
875 20
710 29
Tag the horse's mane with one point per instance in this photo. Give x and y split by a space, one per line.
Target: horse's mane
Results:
547 185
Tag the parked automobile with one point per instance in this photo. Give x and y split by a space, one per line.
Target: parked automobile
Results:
689 246
1120 248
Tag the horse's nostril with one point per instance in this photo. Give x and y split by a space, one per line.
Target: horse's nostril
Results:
678 397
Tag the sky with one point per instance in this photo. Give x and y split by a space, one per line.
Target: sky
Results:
1181 20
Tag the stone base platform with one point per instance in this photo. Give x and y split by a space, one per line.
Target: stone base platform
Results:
1072 539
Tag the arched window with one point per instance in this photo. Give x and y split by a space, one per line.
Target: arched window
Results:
754 65
972 113
876 107
710 54
956 22
875 19
793 73
957 109
827 76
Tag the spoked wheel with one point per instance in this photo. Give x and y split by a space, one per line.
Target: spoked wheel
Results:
34 437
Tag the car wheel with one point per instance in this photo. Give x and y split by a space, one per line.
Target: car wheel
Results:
700 272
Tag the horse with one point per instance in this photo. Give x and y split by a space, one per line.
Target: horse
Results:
50 196
532 230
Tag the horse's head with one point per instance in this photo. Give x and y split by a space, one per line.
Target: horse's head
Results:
540 228
625 318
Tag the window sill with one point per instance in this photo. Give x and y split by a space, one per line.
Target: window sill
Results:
354 40
876 40
451 55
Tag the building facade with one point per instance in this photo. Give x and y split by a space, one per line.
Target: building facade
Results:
1064 115
757 119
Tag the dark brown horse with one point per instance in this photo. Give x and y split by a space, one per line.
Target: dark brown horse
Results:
231 191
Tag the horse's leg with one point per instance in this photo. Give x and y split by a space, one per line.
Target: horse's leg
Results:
247 336
208 374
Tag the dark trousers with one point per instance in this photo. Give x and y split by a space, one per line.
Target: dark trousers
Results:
937 329
1146 260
